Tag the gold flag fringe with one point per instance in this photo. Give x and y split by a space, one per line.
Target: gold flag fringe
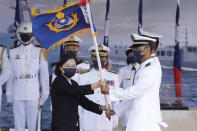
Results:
34 11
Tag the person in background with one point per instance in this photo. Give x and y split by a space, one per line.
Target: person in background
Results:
66 95
89 120
28 64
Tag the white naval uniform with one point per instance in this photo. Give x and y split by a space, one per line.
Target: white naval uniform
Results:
126 76
5 70
26 60
145 94
91 121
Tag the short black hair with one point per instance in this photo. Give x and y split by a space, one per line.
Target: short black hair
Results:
62 60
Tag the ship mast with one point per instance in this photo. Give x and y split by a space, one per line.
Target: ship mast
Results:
186 33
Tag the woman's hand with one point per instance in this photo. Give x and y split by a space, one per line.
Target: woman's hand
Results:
105 108
99 84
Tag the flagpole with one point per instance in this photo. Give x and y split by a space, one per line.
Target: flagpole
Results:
96 48
106 30
177 56
140 15
62 52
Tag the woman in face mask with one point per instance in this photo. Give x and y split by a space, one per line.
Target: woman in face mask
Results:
66 95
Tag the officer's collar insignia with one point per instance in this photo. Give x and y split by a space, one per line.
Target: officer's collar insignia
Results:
17 57
148 64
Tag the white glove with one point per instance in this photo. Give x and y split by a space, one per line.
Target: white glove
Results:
42 100
9 99
115 121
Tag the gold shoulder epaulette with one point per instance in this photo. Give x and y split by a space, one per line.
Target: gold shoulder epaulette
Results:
112 71
84 71
45 54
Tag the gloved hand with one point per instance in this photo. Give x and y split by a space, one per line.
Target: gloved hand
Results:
43 99
114 121
9 98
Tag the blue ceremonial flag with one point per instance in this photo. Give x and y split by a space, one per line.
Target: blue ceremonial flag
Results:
55 27
177 54
140 12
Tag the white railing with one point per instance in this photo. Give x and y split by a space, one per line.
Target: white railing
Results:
189 94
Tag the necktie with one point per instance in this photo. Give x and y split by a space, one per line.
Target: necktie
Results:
134 69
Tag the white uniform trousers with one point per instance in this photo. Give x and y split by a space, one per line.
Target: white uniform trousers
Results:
125 118
25 112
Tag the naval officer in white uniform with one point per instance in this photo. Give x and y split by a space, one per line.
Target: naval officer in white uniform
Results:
145 91
155 58
28 64
123 107
5 69
89 120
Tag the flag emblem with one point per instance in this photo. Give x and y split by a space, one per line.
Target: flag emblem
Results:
63 23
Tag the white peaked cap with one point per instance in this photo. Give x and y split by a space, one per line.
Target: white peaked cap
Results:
149 34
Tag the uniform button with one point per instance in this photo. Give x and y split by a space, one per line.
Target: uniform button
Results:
26 65
97 101
25 57
98 91
26 80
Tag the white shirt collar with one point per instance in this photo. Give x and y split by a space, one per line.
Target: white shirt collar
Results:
28 46
152 55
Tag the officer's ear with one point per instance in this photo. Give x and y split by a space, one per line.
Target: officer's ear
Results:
61 69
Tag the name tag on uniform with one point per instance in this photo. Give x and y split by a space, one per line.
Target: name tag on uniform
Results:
17 57
110 82
128 79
